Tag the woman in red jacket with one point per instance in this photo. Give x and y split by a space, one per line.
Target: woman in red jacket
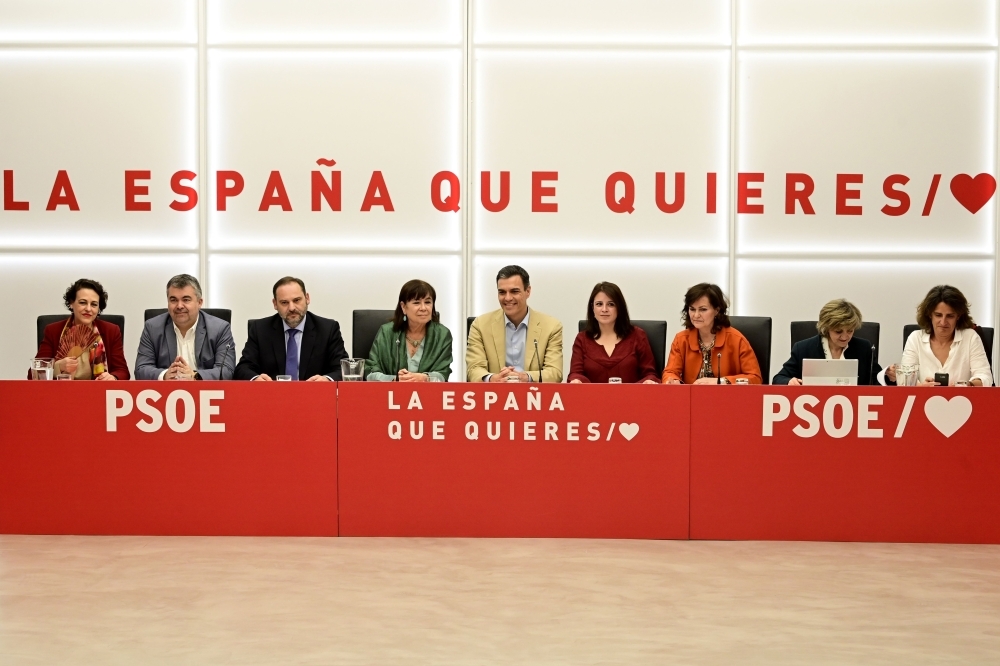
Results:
611 346
82 345
709 351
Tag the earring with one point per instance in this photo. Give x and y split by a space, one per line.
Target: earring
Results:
404 317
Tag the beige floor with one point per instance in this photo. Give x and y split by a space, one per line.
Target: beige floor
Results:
126 600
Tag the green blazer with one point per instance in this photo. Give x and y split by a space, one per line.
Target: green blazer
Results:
388 354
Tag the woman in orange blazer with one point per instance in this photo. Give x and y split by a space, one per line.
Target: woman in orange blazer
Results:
709 350
82 345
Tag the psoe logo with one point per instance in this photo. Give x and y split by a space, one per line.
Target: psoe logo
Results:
179 410
841 415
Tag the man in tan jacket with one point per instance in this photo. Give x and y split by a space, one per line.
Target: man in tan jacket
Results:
514 340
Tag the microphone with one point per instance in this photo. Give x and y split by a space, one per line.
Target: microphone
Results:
540 363
225 354
871 368
720 366
398 366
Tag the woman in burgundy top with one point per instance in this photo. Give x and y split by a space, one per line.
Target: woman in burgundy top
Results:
611 346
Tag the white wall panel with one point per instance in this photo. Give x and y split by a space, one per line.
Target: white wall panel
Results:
335 21
96 114
874 114
866 22
601 22
887 291
560 286
337 286
398 112
133 283
586 115
99 21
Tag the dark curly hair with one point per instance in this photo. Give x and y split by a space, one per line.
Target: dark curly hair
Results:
951 297
83 283
411 291
715 298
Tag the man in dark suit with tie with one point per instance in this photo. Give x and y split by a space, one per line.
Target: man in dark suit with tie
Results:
293 342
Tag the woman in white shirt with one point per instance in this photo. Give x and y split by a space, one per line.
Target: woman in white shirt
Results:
946 342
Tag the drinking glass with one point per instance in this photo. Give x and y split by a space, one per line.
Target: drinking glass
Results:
352 369
283 378
907 375
41 368
614 380
64 376
742 381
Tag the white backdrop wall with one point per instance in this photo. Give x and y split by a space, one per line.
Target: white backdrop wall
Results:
842 95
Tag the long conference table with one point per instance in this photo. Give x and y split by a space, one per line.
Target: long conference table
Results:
509 460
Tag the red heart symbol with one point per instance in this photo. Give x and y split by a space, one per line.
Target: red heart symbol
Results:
973 193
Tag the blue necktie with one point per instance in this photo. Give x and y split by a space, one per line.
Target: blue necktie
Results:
292 355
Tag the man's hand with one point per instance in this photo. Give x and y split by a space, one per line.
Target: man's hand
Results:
795 381
501 376
179 369
106 377
890 373
262 378
319 378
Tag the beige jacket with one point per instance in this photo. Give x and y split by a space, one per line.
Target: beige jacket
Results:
486 352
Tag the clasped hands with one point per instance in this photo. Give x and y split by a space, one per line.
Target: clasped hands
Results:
504 373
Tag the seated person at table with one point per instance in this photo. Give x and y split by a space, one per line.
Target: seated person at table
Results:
82 345
292 342
414 346
709 351
946 342
184 342
514 341
611 346
837 322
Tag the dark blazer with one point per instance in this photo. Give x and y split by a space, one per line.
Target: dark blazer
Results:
214 349
813 348
264 353
110 334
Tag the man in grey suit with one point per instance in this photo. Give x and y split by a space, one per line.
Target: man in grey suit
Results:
183 342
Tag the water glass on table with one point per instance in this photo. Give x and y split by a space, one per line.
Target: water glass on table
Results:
907 375
41 368
352 369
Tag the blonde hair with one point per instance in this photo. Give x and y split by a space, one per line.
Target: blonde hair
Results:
838 313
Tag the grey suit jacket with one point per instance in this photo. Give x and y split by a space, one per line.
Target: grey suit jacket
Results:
213 347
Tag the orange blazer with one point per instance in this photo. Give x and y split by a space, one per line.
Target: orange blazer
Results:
732 357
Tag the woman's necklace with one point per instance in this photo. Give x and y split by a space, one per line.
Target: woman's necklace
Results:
414 343
707 346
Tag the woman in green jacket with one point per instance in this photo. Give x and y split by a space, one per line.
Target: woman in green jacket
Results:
414 346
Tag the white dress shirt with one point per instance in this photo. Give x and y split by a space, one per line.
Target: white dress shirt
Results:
185 345
966 358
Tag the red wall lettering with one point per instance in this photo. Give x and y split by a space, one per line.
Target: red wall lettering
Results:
539 190
275 194
448 204
330 192
890 191
661 192
178 188
377 194
62 193
627 203
744 193
223 190
133 190
9 203
793 193
844 194
484 191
